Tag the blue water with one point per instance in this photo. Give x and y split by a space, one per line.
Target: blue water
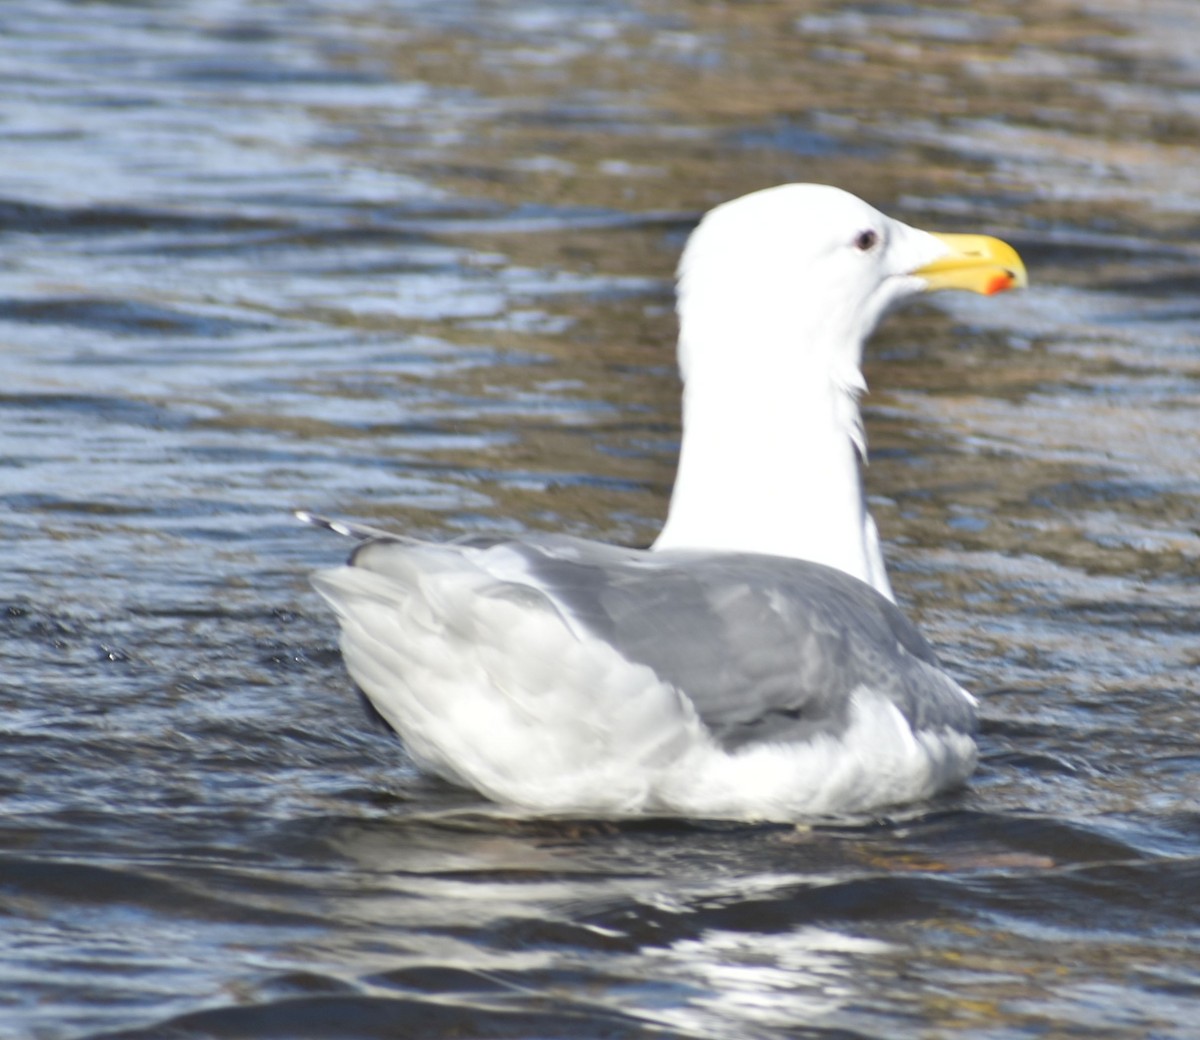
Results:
410 262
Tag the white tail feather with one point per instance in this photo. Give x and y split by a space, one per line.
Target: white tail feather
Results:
563 724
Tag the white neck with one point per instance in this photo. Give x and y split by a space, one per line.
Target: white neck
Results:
769 459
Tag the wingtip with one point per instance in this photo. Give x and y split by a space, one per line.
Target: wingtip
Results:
359 532
328 523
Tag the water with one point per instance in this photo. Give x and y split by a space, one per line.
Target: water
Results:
411 261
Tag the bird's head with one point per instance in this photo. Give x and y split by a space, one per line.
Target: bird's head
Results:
802 273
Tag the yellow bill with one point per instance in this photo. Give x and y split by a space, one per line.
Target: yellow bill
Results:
977 263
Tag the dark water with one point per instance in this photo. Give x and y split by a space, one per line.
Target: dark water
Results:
411 260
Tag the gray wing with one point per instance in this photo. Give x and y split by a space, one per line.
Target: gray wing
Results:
767 648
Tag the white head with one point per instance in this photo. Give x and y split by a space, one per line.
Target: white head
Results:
818 267
778 290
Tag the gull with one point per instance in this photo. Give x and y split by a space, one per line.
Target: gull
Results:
752 664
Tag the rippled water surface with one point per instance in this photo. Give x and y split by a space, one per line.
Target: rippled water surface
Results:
411 261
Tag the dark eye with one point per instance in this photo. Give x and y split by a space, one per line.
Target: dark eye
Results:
865 241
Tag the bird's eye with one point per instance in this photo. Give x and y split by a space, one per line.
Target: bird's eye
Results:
865 241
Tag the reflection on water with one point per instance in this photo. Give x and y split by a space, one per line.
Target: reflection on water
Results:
411 261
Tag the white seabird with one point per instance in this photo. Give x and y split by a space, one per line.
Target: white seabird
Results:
752 664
